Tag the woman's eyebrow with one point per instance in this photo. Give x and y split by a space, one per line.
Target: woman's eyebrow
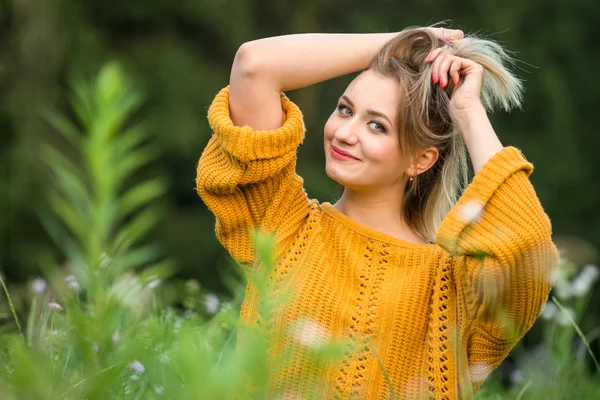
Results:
370 112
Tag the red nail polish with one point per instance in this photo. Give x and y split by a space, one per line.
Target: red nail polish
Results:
454 80
434 77
442 82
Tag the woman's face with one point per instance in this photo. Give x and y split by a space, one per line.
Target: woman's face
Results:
363 125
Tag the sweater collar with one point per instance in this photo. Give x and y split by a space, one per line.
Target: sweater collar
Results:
366 231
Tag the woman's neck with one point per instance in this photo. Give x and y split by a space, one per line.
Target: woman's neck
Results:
380 211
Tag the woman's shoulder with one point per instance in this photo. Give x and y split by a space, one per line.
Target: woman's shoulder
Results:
247 144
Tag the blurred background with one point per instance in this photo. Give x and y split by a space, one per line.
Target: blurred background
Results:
179 53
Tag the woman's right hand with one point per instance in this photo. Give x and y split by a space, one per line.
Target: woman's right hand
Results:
448 35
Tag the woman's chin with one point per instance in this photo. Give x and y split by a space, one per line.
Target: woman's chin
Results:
338 176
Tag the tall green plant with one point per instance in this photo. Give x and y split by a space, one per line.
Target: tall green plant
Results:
105 216
97 331
99 220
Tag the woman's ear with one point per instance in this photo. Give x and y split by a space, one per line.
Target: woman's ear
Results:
425 160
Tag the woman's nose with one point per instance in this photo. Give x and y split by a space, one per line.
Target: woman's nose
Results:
347 133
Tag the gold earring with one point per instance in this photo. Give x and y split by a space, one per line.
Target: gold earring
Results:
411 179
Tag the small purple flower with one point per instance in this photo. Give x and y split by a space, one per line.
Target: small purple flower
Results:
137 367
471 211
309 333
154 284
211 302
72 283
55 306
38 285
549 311
479 371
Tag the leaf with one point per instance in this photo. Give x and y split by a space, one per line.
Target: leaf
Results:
139 226
127 104
53 227
76 223
160 270
75 190
129 139
64 126
134 258
69 179
131 100
579 332
53 158
115 100
128 166
142 194
111 119
110 84
82 102
11 305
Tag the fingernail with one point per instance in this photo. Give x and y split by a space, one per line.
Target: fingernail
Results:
442 82
428 57
434 77
454 80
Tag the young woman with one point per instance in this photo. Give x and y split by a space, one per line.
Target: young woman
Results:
443 287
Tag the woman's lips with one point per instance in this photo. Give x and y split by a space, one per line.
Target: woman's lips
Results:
341 155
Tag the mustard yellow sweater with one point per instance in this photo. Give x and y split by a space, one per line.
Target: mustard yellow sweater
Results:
440 316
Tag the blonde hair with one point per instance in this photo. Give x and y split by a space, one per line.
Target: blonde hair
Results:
424 120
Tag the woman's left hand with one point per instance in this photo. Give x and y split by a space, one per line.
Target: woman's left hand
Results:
465 74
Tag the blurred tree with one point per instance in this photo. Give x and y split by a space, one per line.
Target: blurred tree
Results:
180 54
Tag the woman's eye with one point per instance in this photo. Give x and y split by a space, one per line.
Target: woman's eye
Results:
348 112
378 126
342 107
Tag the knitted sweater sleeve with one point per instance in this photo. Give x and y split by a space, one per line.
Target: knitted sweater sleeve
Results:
247 178
499 238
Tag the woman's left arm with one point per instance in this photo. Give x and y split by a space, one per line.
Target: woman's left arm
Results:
479 135
498 233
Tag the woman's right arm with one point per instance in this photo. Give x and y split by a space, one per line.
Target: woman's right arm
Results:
263 68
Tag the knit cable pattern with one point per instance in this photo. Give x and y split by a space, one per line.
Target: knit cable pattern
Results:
438 339
351 374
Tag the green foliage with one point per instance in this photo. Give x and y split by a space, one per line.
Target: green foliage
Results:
563 365
102 331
